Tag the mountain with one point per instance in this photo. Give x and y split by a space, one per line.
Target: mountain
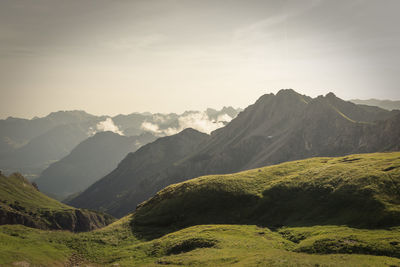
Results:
289 126
277 128
131 179
324 211
41 151
22 203
89 161
131 124
385 104
218 115
30 146
168 124
16 132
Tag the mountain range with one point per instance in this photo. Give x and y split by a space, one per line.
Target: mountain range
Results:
90 160
288 181
385 104
30 146
276 128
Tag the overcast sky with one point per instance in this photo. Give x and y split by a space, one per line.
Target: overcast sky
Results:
114 56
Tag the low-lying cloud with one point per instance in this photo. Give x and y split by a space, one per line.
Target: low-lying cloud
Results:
150 127
104 126
197 120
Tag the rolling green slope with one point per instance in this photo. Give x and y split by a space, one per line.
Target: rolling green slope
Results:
357 190
22 203
316 212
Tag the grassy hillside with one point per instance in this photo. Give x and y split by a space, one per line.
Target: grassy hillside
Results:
357 190
315 212
16 188
22 203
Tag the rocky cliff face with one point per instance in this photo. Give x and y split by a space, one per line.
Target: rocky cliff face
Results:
75 220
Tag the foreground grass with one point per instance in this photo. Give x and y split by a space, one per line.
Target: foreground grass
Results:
317 212
202 245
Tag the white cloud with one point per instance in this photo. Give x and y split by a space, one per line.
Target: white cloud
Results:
151 127
108 125
224 117
199 121
160 118
196 120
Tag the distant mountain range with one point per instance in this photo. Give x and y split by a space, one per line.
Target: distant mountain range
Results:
30 146
385 104
277 128
92 159
138 174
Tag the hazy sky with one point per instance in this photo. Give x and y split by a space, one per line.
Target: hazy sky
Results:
114 56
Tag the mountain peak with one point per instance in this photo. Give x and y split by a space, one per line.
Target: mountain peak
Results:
330 95
69 116
68 112
286 92
189 132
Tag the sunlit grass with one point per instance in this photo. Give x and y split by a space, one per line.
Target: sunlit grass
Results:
315 212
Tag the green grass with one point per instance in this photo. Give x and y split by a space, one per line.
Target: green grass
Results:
361 191
19 243
341 239
315 212
16 188
202 245
22 203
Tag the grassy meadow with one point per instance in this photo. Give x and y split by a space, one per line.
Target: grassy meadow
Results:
316 212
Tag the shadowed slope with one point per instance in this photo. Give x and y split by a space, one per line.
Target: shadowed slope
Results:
88 162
